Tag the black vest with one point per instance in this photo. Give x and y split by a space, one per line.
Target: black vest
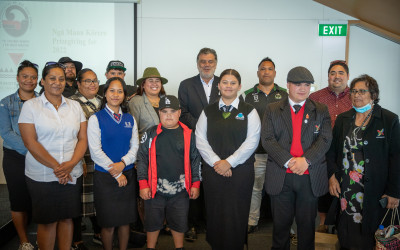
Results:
225 136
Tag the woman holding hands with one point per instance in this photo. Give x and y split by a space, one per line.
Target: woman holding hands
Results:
113 143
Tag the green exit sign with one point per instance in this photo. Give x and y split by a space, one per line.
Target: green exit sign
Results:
332 29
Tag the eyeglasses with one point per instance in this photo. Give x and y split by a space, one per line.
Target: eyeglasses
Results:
338 61
359 91
55 63
89 81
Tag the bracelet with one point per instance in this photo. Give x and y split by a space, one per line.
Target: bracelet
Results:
122 160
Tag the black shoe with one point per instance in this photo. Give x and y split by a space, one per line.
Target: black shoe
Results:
191 235
181 248
79 246
252 229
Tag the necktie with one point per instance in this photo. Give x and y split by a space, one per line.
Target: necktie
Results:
226 111
297 108
117 116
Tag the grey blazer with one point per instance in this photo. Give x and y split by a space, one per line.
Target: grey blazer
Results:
276 138
145 115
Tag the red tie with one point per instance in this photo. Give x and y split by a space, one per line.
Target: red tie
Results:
117 116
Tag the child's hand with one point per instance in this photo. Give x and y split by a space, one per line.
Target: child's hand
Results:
122 181
145 193
194 193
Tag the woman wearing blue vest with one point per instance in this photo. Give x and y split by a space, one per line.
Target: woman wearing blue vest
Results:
14 150
113 143
227 134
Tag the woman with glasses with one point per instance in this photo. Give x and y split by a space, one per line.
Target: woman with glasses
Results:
113 144
53 129
90 101
14 150
363 165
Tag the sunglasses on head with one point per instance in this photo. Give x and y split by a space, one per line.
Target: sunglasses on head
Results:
338 61
56 64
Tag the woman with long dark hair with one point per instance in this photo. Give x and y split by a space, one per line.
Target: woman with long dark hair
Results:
113 144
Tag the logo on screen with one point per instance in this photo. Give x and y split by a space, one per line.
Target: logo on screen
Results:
15 20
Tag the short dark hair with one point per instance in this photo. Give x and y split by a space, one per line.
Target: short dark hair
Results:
233 73
266 59
140 89
341 63
124 104
207 51
27 64
82 72
108 70
371 84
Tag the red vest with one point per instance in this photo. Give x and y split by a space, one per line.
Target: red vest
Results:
296 150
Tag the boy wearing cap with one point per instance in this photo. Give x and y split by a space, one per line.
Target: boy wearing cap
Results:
296 134
117 68
168 169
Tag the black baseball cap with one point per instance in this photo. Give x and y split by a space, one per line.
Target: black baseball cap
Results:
169 101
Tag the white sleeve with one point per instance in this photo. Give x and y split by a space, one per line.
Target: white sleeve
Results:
250 144
130 157
94 141
202 144
26 115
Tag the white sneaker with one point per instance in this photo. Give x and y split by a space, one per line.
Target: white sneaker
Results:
26 246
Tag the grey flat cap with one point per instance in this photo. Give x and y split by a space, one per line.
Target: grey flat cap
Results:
299 75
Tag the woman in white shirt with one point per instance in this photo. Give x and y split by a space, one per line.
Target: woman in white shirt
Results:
113 143
227 134
53 129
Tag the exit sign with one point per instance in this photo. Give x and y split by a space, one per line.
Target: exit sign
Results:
332 29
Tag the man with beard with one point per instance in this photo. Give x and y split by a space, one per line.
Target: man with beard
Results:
71 69
195 94
263 93
336 97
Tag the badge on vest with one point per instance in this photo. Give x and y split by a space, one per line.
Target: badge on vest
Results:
317 127
380 134
255 96
307 117
128 125
240 116
278 96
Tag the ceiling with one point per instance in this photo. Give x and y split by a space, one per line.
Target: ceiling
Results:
384 14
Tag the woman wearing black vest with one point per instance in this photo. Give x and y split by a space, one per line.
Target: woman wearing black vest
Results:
227 134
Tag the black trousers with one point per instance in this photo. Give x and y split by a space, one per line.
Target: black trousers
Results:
296 200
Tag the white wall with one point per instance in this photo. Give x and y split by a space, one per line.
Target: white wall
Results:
380 58
242 32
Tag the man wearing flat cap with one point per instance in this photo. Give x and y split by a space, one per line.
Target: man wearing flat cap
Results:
296 134
71 69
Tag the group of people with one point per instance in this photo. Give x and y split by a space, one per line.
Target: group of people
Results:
84 149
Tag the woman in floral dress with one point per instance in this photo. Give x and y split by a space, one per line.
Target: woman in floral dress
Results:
363 164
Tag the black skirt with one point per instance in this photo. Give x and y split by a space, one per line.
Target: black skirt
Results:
228 204
52 201
14 171
115 206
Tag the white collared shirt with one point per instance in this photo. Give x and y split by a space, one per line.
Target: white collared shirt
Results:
207 87
94 141
56 130
292 103
243 152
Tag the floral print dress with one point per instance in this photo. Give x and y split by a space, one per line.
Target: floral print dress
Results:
352 188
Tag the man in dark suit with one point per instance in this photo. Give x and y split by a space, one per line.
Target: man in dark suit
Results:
296 134
195 94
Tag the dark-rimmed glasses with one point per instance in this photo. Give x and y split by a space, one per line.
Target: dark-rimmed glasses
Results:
90 81
359 91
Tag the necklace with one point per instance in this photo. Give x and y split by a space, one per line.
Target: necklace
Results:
362 127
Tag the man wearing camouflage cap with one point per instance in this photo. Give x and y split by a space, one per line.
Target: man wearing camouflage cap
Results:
296 134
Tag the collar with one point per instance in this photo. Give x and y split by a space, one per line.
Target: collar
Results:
45 101
16 95
344 93
235 103
84 99
112 112
292 103
257 90
209 83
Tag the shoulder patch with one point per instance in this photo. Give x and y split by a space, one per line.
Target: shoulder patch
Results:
144 137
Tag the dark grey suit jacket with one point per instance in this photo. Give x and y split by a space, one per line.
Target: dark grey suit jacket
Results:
193 99
276 138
